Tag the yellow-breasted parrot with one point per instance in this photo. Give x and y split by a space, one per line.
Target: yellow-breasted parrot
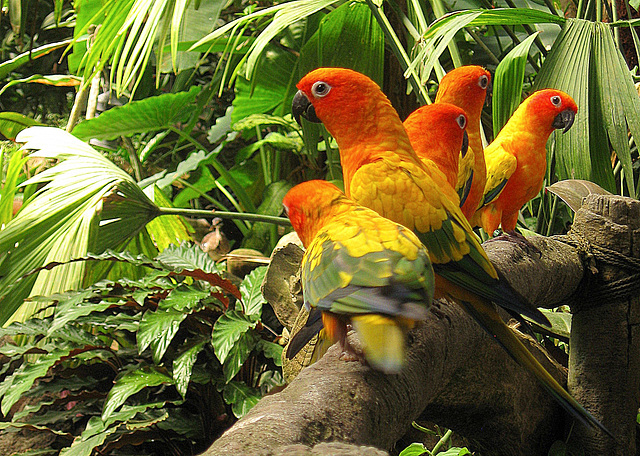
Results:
517 158
358 268
381 171
437 133
466 87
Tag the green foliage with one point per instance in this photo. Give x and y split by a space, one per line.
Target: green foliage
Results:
128 361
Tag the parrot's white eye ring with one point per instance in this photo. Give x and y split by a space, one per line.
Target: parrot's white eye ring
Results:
556 101
461 120
483 81
320 89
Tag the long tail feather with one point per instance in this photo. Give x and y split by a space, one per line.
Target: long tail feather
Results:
486 315
383 341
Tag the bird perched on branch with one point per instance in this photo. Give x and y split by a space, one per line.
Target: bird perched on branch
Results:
517 158
437 133
467 87
381 171
359 269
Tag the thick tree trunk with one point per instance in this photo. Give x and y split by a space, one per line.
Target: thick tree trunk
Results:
458 377
604 361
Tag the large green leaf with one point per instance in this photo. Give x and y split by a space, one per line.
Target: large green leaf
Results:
228 330
250 289
347 37
508 80
443 31
86 204
183 366
12 123
157 329
22 379
572 66
239 354
150 114
241 397
131 383
619 101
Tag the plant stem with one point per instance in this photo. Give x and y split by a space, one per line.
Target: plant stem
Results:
235 186
133 158
282 221
243 226
554 206
263 158
445 438
484 47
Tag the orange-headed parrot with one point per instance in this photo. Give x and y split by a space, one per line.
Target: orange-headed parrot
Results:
437 133
466 87
381 171
517 158
358 268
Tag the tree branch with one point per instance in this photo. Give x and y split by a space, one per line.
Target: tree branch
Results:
458 377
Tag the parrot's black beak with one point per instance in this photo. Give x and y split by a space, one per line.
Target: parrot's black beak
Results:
564 120
487 100
302 107
465 144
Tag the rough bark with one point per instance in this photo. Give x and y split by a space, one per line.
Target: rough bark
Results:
604 361
458 377
455 375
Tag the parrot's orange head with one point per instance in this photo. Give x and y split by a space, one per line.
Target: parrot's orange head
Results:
438 126
310 205
348 103
466 86
551 109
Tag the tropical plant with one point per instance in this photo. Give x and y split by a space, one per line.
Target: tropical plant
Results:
157 365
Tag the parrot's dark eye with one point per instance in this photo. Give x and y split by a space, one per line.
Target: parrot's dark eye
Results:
462 121
483 81
556 101
320 89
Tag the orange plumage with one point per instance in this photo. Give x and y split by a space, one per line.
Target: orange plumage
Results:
466 87
381 171
437 133
517 161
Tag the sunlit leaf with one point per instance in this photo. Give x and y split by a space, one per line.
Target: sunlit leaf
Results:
183 365
157 329
508 80
250 289
228 330
149 114
85 203
22 379
129 384
239 354
415 449
241 397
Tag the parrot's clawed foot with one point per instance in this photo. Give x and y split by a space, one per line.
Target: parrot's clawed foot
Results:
348 355
435 309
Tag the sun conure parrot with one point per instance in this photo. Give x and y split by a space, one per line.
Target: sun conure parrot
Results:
517 157
466 87
358 268
381 171
437 133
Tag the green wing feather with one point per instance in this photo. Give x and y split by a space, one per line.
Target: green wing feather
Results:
383 280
